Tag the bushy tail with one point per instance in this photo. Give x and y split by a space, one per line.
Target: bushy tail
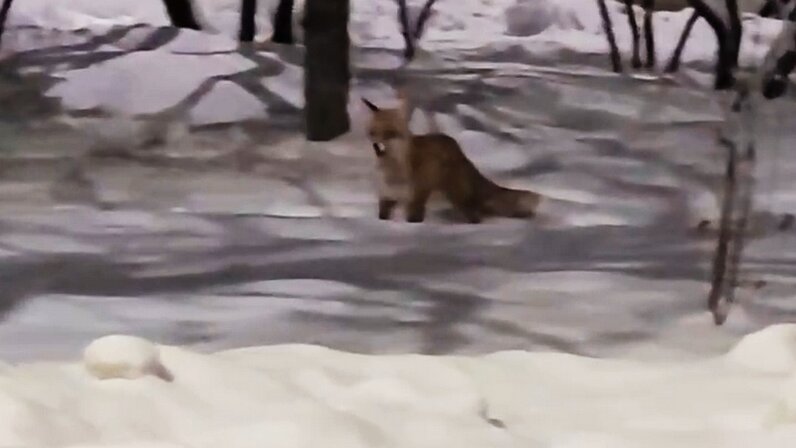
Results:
512 203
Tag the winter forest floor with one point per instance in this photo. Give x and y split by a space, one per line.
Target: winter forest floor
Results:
244 234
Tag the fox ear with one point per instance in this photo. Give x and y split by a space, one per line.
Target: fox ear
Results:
371 106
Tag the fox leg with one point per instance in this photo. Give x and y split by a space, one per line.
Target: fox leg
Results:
472 211
467 204
386 207
416 207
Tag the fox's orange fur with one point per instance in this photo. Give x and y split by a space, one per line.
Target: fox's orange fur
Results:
412 167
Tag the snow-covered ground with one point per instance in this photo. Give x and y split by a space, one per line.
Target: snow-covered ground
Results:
155 182
129 392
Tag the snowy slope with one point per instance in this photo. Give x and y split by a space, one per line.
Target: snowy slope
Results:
130 392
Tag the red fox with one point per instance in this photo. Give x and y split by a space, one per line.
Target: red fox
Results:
412 167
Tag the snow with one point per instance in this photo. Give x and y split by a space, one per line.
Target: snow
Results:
144 82
270 395
248 235
227 102
764 352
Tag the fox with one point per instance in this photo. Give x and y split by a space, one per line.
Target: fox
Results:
413 167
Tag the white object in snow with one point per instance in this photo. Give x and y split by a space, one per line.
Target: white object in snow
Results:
126 357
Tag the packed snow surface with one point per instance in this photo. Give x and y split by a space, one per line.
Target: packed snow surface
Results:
310 396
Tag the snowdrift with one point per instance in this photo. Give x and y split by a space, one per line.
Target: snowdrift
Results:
131 392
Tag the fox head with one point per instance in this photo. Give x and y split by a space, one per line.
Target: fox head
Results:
387 127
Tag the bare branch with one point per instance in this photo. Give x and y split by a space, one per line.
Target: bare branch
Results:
425 14
674 62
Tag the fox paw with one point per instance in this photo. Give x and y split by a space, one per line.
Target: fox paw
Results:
415 218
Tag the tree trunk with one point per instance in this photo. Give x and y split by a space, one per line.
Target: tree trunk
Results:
728 37
326 69
634 32
248 27
769 9
649 32
608 27
283 23
3 16
181 14
406 30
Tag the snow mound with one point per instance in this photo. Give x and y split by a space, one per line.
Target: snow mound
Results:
771 350
268 396
144 82
531 17
123 357
227 102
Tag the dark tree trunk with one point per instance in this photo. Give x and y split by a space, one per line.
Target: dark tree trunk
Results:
3 16
631 19
248 11
776 83
283 23
728 37
674 62
736 32
616 60
770 9
181 14
326 69
649 32
406 30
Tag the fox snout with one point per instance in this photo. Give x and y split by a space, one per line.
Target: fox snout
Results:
379 149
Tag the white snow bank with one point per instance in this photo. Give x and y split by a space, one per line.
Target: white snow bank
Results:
771 351
143 82
309 396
